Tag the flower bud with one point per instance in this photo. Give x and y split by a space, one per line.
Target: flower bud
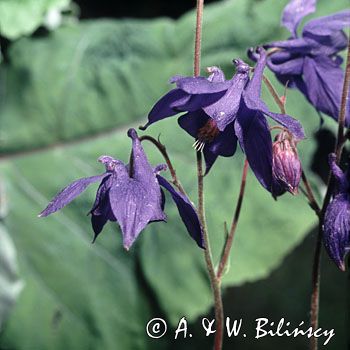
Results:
286 166
336 224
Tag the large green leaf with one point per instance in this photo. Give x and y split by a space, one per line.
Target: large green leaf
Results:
10 284
68 98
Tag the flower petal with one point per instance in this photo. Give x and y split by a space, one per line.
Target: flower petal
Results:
253 101
324 84
101 210
255 140
327 25
196 102
102 190
187 212
97 223
201 85
341 178
288 122
193 121
134 206
295 11
296 46
210 158
225 143
104 214
336 229
142 170
216 74
292 66
70 192
225 109
166 106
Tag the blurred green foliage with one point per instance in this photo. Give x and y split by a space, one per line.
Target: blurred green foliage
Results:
10 284
23 17
69 97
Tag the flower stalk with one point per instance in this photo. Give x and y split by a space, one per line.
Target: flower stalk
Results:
215 285
230 237
162 149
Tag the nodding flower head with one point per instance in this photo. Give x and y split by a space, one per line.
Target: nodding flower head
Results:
310 59
218 112
130 195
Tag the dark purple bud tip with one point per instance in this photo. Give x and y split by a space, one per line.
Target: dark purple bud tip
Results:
132 133
331 158
251 53
109 162
159 168
213 69
143 127
286 166
260 50
175 78
241 66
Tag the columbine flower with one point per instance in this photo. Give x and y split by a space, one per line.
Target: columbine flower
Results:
131 195
221 111
336 228
211 105
286 166
311 62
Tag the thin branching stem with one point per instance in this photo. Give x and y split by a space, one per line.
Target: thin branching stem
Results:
310 195
228 244
162 149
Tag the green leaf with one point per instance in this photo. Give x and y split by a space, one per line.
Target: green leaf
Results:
22 17
10 284
68 98
82 295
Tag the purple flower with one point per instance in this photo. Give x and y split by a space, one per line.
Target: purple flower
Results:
311 62
131 195
220 112
336 227
286 166
209 117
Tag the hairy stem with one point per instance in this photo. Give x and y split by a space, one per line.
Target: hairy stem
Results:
228 244
274 94
215 285
214 281
314 312
163 151
198 38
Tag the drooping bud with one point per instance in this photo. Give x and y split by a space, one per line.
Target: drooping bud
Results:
336 225
286 166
